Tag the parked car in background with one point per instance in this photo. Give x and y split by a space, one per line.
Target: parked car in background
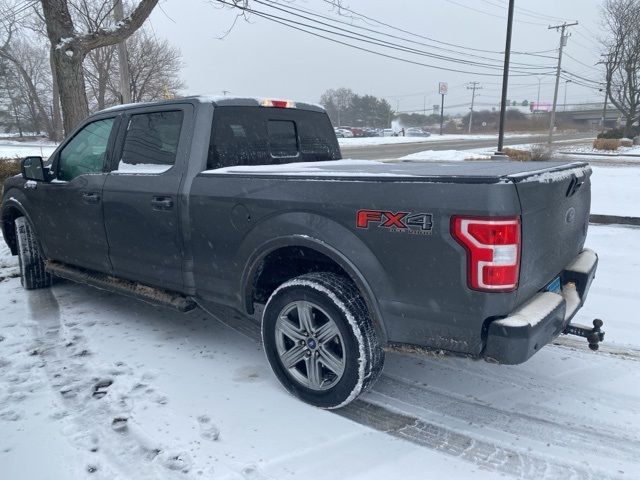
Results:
416 132
343 133
388 132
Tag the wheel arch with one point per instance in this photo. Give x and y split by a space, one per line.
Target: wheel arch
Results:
254 269
12 208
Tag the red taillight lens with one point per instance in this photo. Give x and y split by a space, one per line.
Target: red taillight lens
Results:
493 251
277 103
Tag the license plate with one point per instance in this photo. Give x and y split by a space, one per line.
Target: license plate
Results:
555 286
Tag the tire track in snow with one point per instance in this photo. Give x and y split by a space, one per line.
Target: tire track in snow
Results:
485 454
482 452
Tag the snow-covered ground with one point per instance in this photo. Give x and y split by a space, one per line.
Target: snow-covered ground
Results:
447 155
588 149
371 141
95 382
95 385
16 149
615 190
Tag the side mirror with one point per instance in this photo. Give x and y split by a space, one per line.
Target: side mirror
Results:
33 169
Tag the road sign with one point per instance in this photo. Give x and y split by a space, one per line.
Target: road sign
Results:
443 88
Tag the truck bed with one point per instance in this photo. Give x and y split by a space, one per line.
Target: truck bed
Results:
466 172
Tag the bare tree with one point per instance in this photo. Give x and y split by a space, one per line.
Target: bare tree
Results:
30 85
336 102
155 68
71 46
622 58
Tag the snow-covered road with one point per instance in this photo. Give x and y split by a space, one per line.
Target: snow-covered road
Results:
95 382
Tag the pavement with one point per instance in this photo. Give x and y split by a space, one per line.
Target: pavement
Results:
376 152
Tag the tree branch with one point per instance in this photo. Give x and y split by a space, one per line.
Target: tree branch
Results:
104 37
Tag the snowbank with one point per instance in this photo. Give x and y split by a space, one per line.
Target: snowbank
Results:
15 149
372 141
587 149
446 155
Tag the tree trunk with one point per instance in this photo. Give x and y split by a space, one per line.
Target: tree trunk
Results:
55 108
629 129
73 98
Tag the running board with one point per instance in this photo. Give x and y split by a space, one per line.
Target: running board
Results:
152 295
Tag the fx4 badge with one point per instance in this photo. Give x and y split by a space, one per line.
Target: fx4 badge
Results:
415 223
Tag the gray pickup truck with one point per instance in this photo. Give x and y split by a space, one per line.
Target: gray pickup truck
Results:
247 203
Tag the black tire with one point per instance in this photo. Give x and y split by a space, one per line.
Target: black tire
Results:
32 269
362 356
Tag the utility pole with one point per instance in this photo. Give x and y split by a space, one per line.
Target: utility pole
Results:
563 42
473 86
123 62
505 77
538 101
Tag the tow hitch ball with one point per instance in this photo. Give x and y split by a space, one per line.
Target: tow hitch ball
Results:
593 335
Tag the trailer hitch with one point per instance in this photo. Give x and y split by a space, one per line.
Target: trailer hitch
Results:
593 335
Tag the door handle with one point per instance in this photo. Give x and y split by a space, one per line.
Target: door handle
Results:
162 203
90 198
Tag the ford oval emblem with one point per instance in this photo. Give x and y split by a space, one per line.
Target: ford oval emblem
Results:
570 216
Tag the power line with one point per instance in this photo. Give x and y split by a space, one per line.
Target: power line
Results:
581 63
292 24
287 8
379 22
383 43
484 12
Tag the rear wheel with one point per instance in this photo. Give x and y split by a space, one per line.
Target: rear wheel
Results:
32 270
319 339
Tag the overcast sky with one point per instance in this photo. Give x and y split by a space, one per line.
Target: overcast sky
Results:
263 58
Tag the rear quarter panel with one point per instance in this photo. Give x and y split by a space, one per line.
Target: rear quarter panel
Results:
419 281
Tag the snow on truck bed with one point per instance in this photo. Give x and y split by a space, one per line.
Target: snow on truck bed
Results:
542 171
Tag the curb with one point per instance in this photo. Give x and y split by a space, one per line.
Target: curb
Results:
632 155
614 220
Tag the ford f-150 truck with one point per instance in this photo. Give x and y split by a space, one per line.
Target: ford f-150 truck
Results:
247 203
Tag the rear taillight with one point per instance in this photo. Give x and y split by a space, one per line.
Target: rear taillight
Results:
493 251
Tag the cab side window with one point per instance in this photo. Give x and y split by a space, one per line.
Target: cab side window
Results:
151 143
86 152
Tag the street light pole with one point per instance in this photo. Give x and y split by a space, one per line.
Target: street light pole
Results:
564 105
505 77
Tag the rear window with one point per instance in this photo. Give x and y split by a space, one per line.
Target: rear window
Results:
265 136
283 139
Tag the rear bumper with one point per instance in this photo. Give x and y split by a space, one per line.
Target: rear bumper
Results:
516 338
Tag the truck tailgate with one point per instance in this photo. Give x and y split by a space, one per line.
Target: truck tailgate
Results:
555 204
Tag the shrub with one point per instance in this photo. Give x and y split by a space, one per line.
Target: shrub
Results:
612 133
541 153
8 168
516 154
609 144
626 142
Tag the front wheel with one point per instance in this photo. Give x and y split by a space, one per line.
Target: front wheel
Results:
32 269
320 341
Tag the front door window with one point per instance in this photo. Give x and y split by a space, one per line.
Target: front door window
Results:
86 152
